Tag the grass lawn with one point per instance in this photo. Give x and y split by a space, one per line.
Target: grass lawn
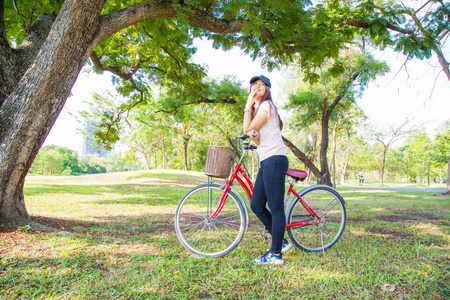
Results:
117 241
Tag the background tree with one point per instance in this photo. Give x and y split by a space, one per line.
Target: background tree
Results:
397 164
442 147
148 135
342 128
61 160
344 134
50 161
390 136
330 98
419 155
192 116
364 157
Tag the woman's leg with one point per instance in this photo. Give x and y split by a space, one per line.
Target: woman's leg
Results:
274 185
258 202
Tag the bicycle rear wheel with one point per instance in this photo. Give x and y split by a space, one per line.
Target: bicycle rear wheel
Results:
328 204
209 237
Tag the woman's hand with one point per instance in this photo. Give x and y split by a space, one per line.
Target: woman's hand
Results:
254 135
251 99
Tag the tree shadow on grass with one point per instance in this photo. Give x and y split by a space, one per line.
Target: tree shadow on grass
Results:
139 193
125 227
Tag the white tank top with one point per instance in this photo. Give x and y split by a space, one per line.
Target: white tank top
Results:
271 142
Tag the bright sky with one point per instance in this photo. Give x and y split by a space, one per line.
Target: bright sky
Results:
409 91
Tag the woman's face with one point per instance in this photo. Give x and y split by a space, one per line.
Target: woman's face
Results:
259 87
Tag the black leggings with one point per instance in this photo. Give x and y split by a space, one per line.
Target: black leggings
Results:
269 189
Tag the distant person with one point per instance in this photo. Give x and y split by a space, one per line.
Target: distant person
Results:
361 177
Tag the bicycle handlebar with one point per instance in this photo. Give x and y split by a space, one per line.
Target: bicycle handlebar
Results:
243 137
246 145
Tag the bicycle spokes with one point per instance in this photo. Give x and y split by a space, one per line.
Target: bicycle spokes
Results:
207 236
317 219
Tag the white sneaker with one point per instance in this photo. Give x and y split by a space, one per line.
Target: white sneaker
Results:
269 259
285 246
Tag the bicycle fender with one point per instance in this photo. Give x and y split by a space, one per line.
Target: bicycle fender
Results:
325 187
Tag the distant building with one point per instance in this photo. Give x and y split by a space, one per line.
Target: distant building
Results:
89 148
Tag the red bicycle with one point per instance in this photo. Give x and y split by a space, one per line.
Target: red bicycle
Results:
211 218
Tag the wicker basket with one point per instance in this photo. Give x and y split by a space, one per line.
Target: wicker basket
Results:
219 161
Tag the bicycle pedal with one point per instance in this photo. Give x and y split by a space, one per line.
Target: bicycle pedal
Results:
263 234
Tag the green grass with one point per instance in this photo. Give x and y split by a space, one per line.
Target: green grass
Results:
118 242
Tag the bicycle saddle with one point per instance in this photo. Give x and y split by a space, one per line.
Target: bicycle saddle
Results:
297 174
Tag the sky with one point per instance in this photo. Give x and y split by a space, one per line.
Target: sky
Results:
412 91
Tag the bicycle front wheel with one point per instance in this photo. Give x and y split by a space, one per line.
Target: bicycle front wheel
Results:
201 235
328 204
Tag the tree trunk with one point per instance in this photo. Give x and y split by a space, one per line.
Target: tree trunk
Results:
442 61
313 156
382 165
147 161
448 176
36 78
302 157
347 159
185 149
30 110
155 153
323 176
324 170
163 149
333 158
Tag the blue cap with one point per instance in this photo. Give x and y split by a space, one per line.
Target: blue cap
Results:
263 78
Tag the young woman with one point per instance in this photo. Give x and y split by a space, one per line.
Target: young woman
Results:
263 124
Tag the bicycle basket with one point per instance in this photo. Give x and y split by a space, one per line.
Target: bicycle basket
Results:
219 161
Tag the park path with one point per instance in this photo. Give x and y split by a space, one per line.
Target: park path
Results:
425 190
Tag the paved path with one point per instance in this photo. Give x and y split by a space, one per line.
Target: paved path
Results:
395 189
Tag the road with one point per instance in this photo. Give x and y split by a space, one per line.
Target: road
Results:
395 189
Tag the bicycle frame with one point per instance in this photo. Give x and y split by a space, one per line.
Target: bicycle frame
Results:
248 187
305 205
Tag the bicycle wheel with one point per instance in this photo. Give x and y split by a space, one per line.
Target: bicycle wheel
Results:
328 204
209 237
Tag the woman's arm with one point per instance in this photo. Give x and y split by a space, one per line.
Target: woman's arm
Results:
257 122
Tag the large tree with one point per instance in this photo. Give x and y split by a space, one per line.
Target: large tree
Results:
328 101
44 45
40 63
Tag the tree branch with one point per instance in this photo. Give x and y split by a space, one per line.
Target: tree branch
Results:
30 21
24 25
357 23
98 64
165 49
117 20
302 157
202 100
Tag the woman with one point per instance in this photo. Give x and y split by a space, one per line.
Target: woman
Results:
263 124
